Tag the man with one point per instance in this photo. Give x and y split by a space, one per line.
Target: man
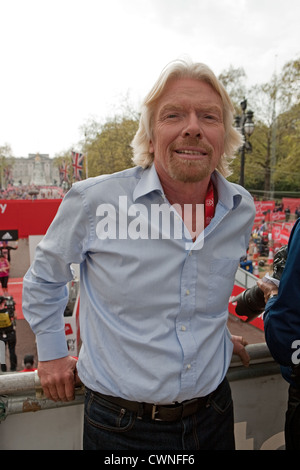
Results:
282 331
156 275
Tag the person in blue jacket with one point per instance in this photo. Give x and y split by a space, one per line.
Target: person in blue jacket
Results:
282 332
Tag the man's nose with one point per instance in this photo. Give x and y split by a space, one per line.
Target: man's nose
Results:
192 127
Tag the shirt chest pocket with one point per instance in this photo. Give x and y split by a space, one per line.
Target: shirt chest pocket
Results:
221 280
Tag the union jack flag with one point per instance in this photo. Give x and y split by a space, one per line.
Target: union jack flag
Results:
77 164
63 171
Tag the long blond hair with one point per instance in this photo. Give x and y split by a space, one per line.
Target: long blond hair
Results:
177 70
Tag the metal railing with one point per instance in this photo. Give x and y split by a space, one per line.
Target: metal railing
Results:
259 396
21 392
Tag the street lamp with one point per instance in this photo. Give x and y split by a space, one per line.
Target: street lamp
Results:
246 126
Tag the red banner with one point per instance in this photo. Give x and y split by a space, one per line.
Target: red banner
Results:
291 203
29 217
263 210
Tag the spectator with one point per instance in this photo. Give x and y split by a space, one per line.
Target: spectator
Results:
282 331
28 363
5 249
4 273
8 334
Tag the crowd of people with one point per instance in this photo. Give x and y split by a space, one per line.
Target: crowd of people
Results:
24 192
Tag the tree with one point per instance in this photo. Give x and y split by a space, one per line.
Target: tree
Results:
233 79
275 142
287 174
289 85
6 155
107 146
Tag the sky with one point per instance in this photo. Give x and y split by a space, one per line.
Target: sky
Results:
64 62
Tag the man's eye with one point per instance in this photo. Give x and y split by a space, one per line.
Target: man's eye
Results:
212 117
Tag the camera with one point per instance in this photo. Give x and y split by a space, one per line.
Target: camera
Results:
251 303
9 304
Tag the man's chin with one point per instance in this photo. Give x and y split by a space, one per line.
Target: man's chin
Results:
188 171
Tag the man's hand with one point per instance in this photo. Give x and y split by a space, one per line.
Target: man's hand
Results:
268 288
59 378
239 348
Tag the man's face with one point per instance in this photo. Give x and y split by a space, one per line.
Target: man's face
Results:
188 131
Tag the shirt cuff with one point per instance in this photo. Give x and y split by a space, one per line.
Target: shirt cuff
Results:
51 346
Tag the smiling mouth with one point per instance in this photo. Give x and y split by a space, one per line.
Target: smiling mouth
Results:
191 153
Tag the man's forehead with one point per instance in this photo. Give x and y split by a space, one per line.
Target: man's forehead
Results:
195 90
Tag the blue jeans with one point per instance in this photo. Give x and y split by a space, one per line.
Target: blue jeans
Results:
110 427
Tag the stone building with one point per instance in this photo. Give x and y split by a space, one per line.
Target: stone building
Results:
37 169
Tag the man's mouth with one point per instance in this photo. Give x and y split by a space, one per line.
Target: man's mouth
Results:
194 153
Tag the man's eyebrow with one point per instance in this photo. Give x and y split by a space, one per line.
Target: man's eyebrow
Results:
202 107
170 107
213 108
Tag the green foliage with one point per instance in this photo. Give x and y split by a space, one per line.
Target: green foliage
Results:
109 151
287 173
274 163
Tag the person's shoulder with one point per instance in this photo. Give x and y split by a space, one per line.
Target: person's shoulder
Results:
297 225
102 180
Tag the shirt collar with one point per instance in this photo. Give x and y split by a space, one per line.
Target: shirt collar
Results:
229 194
149 182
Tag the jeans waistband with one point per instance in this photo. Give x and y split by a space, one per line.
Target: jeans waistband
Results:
172 412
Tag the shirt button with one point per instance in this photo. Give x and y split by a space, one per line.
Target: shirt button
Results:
183 328
188 366
187 292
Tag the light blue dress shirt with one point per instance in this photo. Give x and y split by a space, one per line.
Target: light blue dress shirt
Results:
153 304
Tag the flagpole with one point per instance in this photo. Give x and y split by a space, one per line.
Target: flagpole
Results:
73 172
86 161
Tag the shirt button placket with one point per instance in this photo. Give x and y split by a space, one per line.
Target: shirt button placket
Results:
185 337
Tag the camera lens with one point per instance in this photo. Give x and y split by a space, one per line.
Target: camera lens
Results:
251 302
